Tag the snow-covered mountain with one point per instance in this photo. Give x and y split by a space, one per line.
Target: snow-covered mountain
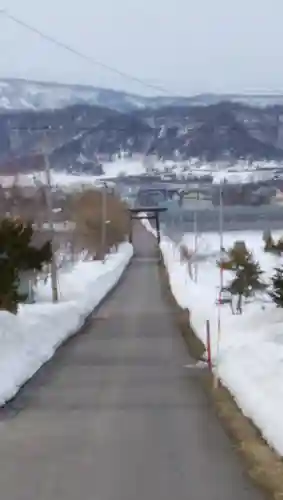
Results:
16 94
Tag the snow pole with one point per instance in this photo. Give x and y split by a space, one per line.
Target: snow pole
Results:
216 376
208 345
221 286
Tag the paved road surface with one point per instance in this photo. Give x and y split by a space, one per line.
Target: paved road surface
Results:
115 416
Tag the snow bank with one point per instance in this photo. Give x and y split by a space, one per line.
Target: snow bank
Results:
30 339
250 361
147 224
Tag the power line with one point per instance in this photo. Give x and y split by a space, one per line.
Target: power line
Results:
80 54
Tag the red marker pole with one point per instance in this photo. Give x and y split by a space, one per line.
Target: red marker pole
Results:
208 345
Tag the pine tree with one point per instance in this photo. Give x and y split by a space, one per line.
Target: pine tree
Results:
9 297
279 246
277 287
269 244
17 254
247 272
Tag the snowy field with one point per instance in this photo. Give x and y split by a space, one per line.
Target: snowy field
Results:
29 340
250 348
240 172
69 181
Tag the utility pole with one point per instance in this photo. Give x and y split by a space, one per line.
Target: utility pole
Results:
103 221
53 266
216 375
83 132
221 216
195 242
195 231
221 230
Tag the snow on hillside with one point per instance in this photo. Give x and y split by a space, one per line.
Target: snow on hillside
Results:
5 103
20 94
29 340
123 167
250 361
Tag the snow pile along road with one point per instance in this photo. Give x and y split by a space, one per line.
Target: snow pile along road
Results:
250 359
30 339
147 224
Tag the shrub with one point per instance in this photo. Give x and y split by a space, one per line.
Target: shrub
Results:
247 272
17 254
270 245
277 287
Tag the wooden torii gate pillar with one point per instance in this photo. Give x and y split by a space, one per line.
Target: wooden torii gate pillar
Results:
149 213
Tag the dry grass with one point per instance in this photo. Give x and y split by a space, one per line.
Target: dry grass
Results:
182 317
264 466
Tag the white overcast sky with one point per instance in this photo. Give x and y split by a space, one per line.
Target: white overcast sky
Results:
187 46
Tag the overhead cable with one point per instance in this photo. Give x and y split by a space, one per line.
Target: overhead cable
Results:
81 55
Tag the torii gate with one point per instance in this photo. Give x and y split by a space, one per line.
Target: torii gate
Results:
149 213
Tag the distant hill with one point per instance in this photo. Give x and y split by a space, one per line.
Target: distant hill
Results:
81 134
17 94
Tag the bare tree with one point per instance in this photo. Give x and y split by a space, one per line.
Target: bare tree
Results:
88 217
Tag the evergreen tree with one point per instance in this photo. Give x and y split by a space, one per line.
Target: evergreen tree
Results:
17 254
9 283
269 244
279 246
277 287
247 272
